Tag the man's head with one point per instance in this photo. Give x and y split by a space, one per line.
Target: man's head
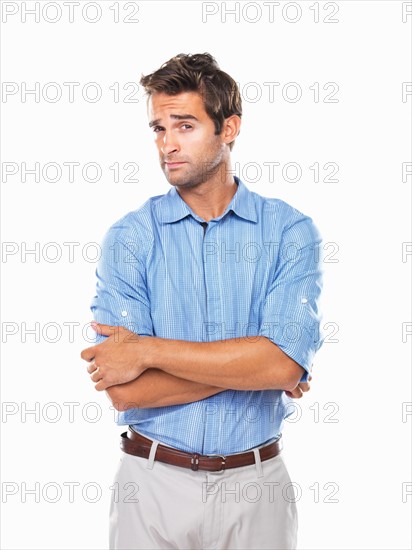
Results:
198 73
194 109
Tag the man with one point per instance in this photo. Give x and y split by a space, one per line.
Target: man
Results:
208 322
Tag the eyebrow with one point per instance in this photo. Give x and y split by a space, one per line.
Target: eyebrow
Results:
176 117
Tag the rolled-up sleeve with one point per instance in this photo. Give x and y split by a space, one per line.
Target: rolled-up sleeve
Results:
290 315
121 292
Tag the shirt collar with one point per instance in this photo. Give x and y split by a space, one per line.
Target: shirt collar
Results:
172 208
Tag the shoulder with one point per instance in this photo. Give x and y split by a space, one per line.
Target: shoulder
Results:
283 218
137 226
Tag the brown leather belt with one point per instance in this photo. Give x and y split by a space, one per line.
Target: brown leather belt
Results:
138 445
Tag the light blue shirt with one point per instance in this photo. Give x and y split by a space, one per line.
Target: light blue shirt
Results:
254 270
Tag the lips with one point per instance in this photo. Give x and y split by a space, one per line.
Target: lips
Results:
174 164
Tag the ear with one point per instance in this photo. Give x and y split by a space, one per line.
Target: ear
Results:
231 129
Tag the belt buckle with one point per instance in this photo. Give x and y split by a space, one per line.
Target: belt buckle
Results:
194 462
223 458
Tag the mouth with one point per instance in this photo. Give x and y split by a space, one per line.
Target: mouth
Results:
172 165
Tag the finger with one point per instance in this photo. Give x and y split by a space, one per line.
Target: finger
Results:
101 385
103 330
304 386
91 367
96 376
295 393
88 354
310 378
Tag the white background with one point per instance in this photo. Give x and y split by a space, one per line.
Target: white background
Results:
349 431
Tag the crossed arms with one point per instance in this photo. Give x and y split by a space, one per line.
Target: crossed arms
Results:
148 371
153 372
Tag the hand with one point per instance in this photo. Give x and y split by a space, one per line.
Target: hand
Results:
300 389
115 361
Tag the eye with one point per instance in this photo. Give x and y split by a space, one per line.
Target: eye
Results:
186 126
158 129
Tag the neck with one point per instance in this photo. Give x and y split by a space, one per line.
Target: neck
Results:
210 199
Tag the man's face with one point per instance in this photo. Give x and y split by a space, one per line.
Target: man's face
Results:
189 151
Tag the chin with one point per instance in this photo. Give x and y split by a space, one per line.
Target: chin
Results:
171 179
177 181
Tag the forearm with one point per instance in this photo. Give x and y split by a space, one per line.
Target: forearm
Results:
240 363
155 388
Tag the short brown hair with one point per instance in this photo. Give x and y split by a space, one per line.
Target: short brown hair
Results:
198 73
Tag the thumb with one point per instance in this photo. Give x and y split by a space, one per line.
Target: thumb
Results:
104 330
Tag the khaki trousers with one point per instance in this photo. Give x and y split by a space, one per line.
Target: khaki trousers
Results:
158 506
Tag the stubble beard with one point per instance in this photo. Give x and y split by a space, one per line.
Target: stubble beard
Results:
193 175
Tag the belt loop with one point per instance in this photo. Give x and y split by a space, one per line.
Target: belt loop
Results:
258 463
152 455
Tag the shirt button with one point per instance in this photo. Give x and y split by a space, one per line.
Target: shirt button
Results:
304 301
124 314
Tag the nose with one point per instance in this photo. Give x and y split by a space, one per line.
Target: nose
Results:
169 144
